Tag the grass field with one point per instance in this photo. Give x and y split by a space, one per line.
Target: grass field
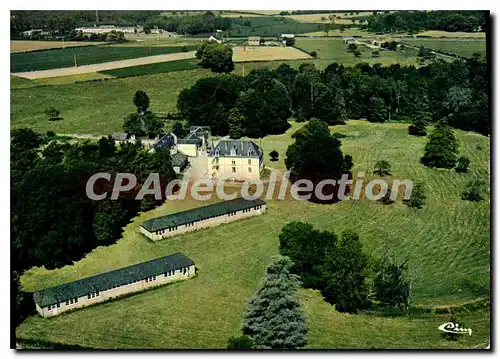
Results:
458 34
334 50
28 45
262 53
170 66
446 244
97 107
465 47
53 59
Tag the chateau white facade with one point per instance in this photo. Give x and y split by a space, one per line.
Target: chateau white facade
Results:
239 160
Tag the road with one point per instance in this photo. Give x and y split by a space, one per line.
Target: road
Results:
66 71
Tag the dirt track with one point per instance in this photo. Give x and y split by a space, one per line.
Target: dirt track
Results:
66 71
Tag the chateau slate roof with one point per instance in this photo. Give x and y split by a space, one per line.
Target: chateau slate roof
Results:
103 281
167 141
200 213
241 148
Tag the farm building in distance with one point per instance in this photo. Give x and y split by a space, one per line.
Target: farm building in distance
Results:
254 40
236 159
103 29
104 286
201 217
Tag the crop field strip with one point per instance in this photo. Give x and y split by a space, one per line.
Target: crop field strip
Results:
446 234
60 58
28 45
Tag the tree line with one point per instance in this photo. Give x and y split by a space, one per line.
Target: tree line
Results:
204 23
415 21
63 22
265 98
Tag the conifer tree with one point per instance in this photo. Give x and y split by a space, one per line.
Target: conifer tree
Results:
442 149
273 318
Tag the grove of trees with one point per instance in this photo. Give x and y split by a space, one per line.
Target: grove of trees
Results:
53 222
342 272
415 21
456 90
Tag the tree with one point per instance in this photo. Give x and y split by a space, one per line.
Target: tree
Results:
236 121
53 113
391 287
418 197
377 110
474 191
217 57
442 148
289 41
273 318
418 127
303 160
153 126
462 165
241 342
382 168
375 53
179 129
141 101
345 271
306 247
274 155
357 53
133 125
352 47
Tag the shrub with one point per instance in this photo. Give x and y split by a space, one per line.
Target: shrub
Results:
51 134
53 113
274 155
241 342
462 165
313 53
357 53
382 168
474 191
375 53
386 199
418 197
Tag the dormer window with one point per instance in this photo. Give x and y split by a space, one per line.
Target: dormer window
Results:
233 151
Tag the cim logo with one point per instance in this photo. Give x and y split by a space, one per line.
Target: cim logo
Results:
454 328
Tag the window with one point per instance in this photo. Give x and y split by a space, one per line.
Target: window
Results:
216 168
58 305
249 162
184 270
88 295
249 169
67 302
233 162
234 169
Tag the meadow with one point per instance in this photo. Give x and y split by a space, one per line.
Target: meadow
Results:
446 244
334 50
28 45
270 53
461 47
160 67
97 107
58 58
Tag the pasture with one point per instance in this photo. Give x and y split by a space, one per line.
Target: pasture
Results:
334 50
29 45
160 67
267 53
97 107
446 244
60 58
461 47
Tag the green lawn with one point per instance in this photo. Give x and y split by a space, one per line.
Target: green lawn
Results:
97 107
446 244
334 50
57 58
461 47
160 67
